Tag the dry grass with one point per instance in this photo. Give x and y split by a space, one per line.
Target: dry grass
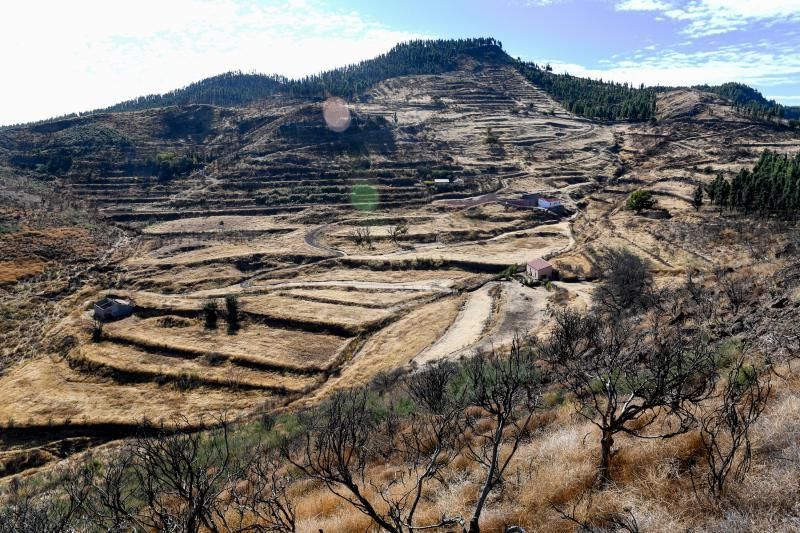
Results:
194 277
217 224
193 252
253 343
393 346
450 227
28 252
11 271
128 361
156 301
359 298
509 249
299 311
43 391
380 275
653 479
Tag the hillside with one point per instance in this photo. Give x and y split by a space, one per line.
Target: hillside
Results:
581 96
752 101
283 241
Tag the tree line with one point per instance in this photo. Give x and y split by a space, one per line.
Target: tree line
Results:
751 102
405 59
594 98
771 187
237 88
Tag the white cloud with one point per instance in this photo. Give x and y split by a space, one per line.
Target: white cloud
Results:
79 55
786 99
748 64
642 5
713 17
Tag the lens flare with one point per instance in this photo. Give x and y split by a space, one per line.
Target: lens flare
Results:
336 114
364 197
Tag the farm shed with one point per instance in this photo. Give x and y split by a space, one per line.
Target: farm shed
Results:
531 198
109 308
539 269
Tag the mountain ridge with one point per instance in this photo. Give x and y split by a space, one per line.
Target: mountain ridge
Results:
583 96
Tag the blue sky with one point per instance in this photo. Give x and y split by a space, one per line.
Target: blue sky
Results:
83 54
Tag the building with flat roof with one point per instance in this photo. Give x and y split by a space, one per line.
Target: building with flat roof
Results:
548 203
110 308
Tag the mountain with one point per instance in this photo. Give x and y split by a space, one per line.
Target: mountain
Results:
751 100
582 96
296 262
226 90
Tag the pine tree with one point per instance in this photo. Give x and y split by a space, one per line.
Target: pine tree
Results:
772 187
697 201
210 314
640 200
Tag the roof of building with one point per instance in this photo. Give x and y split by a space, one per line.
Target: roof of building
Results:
105 303
539 264
550 200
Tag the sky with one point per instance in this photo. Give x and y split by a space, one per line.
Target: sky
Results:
67 56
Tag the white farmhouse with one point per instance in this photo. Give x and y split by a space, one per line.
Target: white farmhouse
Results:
539 269
549 203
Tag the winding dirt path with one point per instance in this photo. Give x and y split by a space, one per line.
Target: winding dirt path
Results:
491 319
440 285
466 329
523 310
313 234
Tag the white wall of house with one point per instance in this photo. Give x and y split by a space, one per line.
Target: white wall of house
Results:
548 203
538 273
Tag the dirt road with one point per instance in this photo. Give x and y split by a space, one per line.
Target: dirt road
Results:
466 329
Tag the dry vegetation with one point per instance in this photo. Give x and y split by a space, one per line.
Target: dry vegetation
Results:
326 305
253 344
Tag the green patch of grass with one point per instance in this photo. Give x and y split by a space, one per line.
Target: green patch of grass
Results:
9 228
727 352
554 398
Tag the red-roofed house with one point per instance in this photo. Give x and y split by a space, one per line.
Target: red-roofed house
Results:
539 269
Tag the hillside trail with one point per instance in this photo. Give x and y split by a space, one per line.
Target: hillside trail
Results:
468 326
311 238
312 235
431 285
491 318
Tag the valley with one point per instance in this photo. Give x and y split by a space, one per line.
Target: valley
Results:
390 245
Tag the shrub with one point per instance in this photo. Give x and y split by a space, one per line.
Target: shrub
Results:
640 200
627 284
697 199
97 331
232 313
210 314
